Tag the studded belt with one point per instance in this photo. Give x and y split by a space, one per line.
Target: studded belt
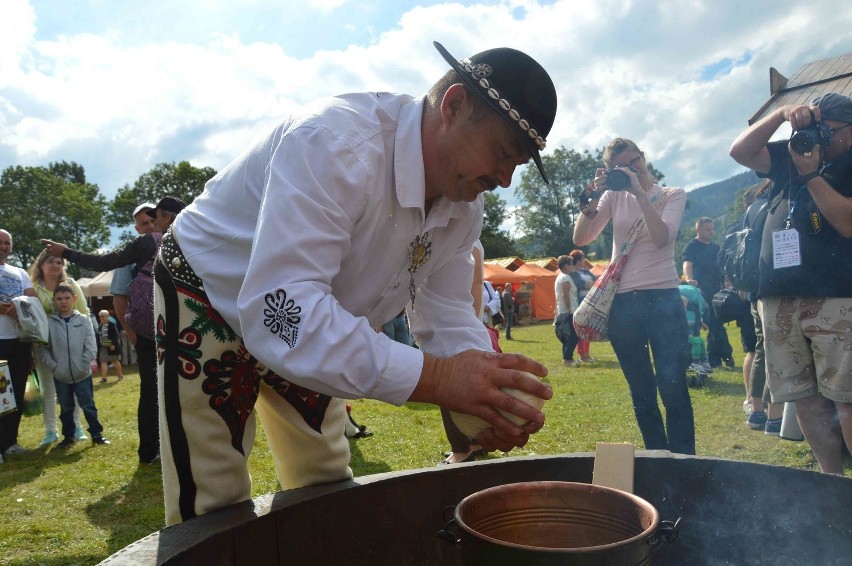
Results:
171 257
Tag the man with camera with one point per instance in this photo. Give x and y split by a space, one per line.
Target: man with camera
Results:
805 290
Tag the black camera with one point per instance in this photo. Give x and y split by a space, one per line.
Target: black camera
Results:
803 141
617 179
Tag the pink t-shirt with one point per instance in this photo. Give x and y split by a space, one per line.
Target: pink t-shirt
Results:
648 267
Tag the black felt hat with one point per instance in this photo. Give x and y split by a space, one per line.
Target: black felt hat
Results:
516 87
169 204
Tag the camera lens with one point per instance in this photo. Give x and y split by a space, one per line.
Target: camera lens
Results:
804 140
617 180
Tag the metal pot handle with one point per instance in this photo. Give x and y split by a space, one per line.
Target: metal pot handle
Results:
448 517
666 532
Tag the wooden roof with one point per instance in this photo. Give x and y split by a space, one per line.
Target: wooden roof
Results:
510 263
548 263
811 80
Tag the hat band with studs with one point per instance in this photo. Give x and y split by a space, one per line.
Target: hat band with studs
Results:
480 72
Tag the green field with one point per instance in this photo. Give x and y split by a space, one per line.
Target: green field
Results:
81 505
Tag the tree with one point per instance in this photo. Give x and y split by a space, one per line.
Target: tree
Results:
549 211
181 180
496 242
51 202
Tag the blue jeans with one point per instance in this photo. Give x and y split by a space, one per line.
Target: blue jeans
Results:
85 397
655 317
397 329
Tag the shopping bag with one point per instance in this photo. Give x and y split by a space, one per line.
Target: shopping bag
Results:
7 394
33 401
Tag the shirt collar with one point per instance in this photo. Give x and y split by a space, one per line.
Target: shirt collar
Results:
409 173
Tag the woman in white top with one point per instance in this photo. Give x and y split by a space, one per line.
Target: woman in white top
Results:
46 273
566 304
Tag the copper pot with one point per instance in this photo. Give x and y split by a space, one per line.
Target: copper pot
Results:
552 522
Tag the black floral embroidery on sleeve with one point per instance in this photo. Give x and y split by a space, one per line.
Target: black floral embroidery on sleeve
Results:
281 316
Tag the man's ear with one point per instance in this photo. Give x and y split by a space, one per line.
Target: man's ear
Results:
454 103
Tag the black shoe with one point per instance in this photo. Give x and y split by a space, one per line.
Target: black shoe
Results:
150 461
100 440
362 432
729 362
67 442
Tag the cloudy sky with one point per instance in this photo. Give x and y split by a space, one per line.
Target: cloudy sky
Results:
121 86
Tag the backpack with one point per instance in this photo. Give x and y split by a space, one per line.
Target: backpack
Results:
140 293
740 255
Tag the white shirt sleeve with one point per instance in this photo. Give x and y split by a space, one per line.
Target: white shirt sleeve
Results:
290 320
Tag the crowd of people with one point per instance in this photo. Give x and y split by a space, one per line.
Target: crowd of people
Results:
270 250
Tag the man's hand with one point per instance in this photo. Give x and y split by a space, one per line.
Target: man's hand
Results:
808 162
799 115
8 309
54 249
470 382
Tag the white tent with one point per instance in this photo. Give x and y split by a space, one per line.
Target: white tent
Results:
97 286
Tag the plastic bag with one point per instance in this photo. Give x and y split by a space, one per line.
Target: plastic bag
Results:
33 401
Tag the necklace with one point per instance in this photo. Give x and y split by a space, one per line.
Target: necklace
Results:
419 252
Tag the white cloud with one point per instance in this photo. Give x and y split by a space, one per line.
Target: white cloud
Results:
119 103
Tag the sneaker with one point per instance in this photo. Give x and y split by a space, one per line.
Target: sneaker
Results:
48 439
67 442
588 360
80 434
707 367
15 450
729 363
697 368
150 461
773 427
747 406
570 363
100 440
756 420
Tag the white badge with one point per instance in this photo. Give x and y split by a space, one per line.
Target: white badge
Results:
785 248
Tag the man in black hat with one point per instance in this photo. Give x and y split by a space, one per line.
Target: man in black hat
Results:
805 289
270 284
136 254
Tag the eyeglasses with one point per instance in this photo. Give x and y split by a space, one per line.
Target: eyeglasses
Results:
832 131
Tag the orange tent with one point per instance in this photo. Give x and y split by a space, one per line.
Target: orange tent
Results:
543 299
500 275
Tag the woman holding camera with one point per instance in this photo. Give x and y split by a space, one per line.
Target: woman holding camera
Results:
647 309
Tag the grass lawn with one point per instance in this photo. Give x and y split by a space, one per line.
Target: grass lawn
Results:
80 505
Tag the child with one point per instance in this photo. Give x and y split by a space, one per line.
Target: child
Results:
110 346
695 307
69 354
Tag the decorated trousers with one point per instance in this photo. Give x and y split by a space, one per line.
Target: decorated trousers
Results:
209 386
